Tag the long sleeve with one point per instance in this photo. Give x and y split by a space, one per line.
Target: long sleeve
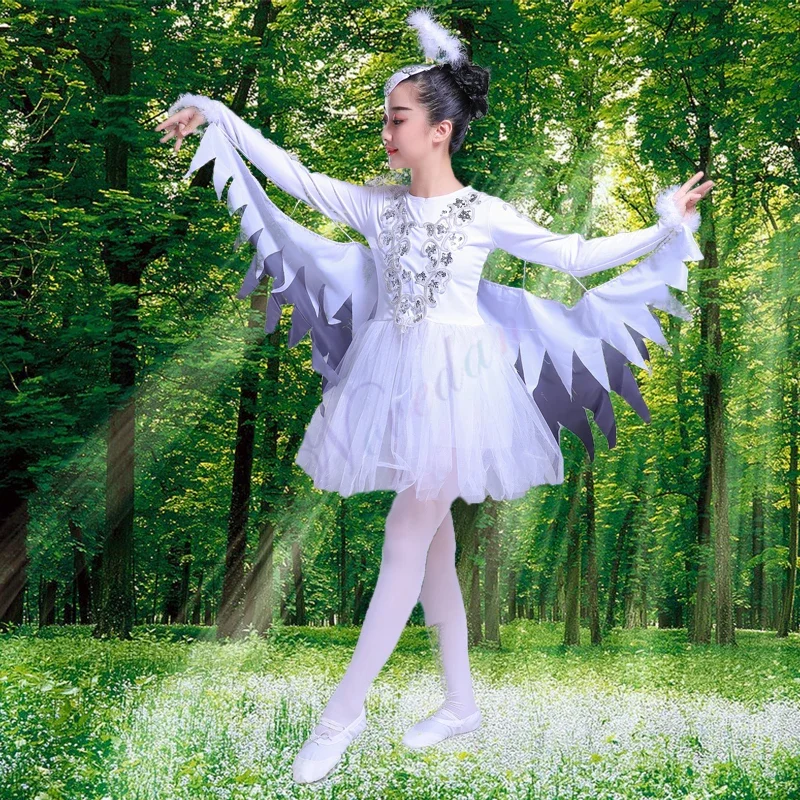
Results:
572 253
341 201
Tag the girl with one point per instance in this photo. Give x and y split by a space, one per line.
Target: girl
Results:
425 399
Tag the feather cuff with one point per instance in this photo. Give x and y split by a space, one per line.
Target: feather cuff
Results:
669 214
204 104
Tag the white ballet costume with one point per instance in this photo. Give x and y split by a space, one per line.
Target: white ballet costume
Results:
428 401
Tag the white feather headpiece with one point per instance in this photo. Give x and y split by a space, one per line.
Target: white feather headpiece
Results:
434 40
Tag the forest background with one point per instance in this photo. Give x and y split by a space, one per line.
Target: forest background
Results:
148 424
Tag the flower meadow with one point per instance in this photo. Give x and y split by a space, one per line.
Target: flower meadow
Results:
174 714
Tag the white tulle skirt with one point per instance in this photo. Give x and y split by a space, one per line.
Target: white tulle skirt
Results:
411 407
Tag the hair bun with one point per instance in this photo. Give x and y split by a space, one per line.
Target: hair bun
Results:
475 83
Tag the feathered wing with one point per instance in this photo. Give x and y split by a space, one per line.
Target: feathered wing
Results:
332 285
571 358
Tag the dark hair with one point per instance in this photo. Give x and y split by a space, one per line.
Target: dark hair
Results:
459 95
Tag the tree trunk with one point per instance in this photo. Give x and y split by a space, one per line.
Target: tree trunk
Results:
572 589
757 606
542 597
592 583
467 547
723 574
237 607
13 554
474 621
177 598
186 576
631 579
48 591
299 584
620 549
669 614
550 574
231 613
679 606
259 589
787 605
643 599
559 599
81 573
492 576
156 580
285 613
344 600
700 623
360 595
775 605
258 608
197 600
115 606
512 595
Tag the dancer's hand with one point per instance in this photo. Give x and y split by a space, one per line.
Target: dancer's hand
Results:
181 124
686 198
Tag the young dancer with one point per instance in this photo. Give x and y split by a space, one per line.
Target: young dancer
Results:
422 395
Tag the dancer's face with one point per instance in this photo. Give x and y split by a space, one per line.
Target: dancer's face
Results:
407 133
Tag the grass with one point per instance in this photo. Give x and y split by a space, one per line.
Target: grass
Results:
174 714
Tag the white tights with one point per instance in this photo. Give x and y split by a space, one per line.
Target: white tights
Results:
417 563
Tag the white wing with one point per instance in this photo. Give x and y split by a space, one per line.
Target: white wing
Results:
332 285
571 358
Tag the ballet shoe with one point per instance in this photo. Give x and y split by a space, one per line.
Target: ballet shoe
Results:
441 725
321 752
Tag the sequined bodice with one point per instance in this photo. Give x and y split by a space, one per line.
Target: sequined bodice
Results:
431 255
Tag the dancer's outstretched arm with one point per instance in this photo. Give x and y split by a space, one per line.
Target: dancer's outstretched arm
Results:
339 200
514 232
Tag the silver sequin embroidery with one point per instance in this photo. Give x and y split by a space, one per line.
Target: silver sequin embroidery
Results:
443 237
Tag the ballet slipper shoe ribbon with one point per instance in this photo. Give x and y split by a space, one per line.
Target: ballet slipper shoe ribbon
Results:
446 716
325 737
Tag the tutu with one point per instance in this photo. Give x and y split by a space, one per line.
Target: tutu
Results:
408 408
